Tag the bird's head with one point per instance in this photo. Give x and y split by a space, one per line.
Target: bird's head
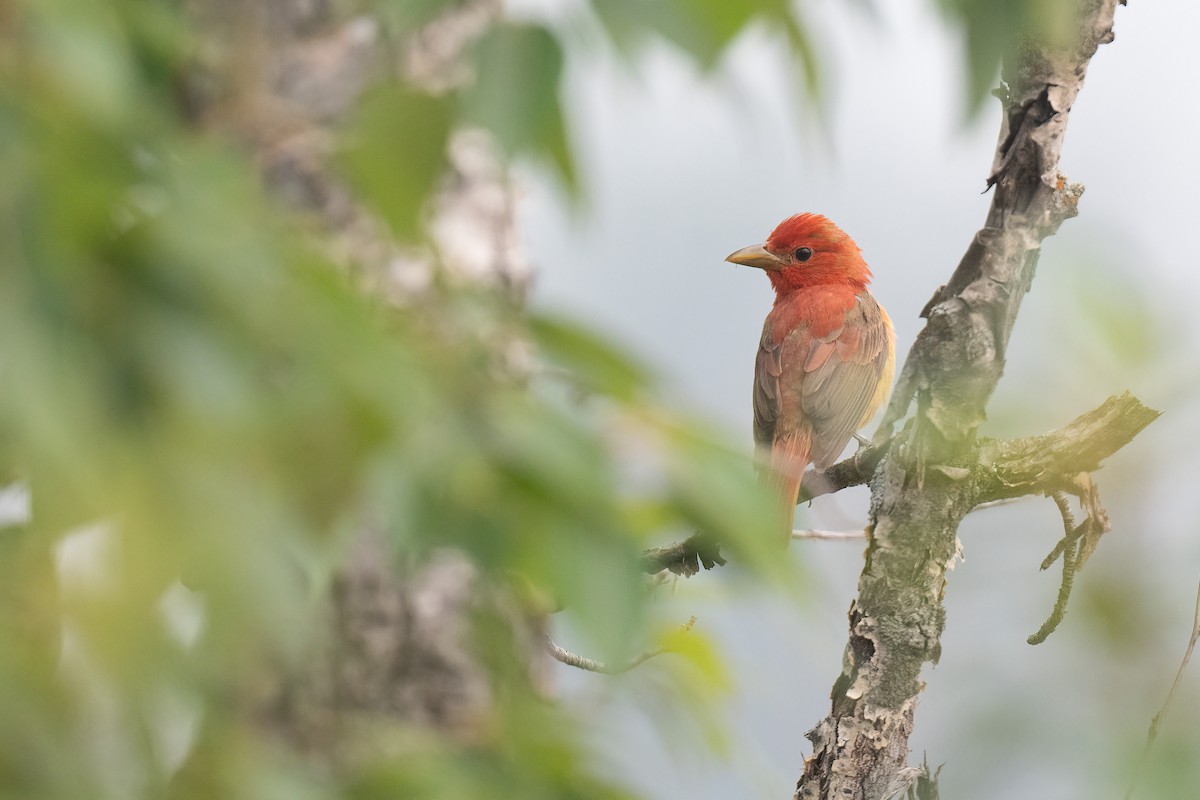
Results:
806 250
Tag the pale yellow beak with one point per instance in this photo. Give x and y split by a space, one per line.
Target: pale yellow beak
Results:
755 256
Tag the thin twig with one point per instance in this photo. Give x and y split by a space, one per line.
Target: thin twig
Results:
593 665
1064 508
1006 501
1071 531
837 536
1152 734
1070 551
1070 561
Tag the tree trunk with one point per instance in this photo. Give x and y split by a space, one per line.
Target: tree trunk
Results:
934 472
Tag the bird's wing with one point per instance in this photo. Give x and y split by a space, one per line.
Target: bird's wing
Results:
768 366
845 377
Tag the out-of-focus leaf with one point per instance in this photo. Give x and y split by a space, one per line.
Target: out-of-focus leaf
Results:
703 29
396 151
586 357
92 65
718 492
1114 316
994 31
553 457
516 94
195 393
700 653
408 15
596 576
803 48
432 769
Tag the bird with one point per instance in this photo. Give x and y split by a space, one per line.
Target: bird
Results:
827 354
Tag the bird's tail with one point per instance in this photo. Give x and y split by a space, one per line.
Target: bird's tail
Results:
789 458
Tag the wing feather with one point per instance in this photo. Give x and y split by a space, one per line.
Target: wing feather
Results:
838 395
768 366
823 388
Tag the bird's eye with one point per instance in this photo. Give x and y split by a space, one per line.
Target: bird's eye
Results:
804 254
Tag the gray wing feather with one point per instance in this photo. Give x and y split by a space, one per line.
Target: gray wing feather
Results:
768 366
846 368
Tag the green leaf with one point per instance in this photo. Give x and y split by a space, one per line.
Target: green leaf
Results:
551 458
595 363
703 29
395 152
993 32
598 578
407 15
516 94
806 54
701 653
718 492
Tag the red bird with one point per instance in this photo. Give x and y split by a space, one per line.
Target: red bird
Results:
827 355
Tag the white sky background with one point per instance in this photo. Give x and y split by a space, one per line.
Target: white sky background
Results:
680 170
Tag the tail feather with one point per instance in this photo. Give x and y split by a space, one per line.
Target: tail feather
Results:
789 458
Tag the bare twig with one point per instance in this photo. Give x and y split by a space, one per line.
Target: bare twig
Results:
831 536
1068 518
1055 461
1070 555
1097 517
591 664
1152 734
565 656
1007 501
1071 532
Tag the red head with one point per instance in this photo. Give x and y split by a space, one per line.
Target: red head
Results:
806 250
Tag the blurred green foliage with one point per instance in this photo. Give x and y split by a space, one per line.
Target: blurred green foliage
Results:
515 94
994 31
184 367
394 179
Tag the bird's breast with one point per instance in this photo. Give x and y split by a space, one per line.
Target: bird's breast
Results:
820 309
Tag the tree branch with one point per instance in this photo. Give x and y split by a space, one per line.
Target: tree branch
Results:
564 656
830 536
923 488
1004 470
1044 464
1068 549
853 471
1152 734
685 557
688 556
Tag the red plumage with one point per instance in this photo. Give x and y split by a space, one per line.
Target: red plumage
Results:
827 353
